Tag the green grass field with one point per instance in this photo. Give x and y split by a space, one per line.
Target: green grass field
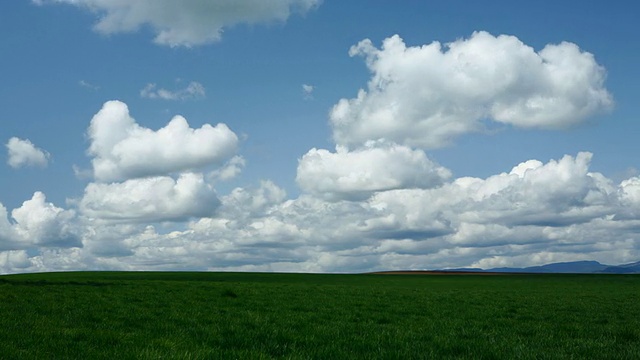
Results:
119 315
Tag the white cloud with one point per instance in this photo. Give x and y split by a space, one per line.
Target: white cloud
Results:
38 223
558 193
150 199
14 261
427 95
230 170
44 224
357 174
8 235
535 213
23 153
122 149
188 22
307 91
88 85
106 239
60 259
560 201
194 90
242 204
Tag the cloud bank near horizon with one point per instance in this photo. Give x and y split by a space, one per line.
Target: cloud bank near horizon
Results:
376 202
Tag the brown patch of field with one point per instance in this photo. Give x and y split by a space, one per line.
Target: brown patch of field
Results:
439 272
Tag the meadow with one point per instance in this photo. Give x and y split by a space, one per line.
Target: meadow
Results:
182 315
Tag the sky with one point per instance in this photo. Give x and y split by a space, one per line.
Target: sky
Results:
317 136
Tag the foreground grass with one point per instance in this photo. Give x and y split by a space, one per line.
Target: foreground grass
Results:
260 316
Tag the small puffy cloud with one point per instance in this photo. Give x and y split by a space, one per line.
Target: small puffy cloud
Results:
425 96
307 91
194 90
88 85
38 222
630 190
23 153
378 166
150 199
230 170
188 22
122 149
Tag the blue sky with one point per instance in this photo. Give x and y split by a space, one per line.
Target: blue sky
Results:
272 173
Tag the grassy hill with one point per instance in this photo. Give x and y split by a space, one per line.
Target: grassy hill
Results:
179 315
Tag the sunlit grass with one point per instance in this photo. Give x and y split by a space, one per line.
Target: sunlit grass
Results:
244 316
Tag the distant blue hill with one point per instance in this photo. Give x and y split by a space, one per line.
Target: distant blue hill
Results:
633 268
574 267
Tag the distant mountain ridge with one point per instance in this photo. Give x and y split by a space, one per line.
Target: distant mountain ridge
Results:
573 267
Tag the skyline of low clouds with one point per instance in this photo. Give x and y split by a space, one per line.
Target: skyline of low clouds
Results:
166 190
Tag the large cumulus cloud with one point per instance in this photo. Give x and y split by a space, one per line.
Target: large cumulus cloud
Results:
427 95
159 198
377 166
187 22
122 149
149 176
38 223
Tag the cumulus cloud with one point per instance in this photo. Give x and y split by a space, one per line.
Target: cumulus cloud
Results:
14 261
107 239
536 212
38 223
44 224
8 235
229 170
194 90
556 194
150 199
556 210
23 153
427 95
122 149
357 174
243 203
186 23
